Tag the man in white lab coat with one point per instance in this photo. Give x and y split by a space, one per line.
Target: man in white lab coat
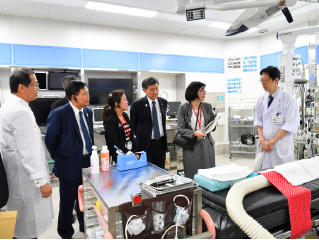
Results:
24 159
277 119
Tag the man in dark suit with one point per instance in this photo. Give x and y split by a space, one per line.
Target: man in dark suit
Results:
69 140
148 118
66 80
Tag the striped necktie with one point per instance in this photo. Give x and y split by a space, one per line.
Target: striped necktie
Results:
157 134
88 143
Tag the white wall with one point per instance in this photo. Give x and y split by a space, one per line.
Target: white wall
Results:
32 31
4 84
214 82
167 84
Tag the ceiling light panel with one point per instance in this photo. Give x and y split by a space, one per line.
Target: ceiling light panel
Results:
106 7
145 4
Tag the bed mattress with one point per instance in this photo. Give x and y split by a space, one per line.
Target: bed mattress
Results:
268 206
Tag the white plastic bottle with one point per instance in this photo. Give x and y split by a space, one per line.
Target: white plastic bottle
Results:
95 166
105 159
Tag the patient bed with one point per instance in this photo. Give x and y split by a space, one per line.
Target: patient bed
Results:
268 206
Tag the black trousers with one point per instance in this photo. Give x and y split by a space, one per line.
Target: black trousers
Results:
4 192
156 153
69 197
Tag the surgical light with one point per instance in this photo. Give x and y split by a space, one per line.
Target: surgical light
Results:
222 25
106 7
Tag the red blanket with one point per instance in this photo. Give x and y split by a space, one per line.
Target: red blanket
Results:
299 200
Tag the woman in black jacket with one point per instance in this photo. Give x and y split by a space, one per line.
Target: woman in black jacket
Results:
117 125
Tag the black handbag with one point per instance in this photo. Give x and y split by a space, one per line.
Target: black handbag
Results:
4 193
185 142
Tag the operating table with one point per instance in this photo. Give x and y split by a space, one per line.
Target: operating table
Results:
268 206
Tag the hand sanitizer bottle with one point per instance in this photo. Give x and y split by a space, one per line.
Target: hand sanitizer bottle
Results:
105 159
95 166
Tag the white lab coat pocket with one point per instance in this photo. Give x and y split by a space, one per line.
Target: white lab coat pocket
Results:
285 149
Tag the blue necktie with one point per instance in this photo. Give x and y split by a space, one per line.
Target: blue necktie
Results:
271 98
87 139
157 134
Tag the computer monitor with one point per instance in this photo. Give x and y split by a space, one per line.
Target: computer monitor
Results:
172 109
41 108
99 89
55 79
97 115
42 80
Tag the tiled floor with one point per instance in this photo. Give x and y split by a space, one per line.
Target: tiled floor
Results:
52 232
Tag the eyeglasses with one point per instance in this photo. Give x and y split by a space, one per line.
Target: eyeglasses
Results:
204 91
264 81
34 84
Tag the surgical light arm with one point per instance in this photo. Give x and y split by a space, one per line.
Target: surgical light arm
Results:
225 5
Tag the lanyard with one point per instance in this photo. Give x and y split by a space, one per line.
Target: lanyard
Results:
200 118
127 130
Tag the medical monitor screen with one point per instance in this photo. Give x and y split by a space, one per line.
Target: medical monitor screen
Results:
99 89
42 80
55 79
172 109
41 108
97 115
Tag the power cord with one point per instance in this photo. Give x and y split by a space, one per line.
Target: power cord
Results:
127 225
181 209
170 229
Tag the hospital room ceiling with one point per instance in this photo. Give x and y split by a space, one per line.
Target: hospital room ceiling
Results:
166 20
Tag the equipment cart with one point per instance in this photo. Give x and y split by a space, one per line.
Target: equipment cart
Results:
114 188
238 127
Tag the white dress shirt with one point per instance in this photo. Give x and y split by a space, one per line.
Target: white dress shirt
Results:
77 117
275 93
159 117
201 120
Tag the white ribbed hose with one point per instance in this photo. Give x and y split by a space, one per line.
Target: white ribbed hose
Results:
236 211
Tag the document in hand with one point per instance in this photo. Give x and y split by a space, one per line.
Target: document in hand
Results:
210 126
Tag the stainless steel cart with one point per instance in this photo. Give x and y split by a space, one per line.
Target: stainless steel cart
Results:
113 188
236 128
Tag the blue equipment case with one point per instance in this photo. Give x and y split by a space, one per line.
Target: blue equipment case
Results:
128 162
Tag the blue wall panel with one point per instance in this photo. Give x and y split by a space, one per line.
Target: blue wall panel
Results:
48 56
205 65
109 59
317 52
303 51
150 61
5 54
269 60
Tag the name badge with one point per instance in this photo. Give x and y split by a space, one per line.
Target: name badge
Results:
277 120
129 145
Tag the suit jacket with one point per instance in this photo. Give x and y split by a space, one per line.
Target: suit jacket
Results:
4 193
184 116
64 143
115 135
142 124
59 103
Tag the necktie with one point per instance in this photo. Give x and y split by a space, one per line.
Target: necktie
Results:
155 122
271 98
87 139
